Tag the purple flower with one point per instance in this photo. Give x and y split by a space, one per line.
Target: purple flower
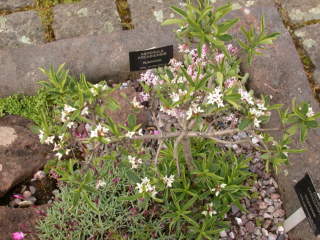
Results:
17 236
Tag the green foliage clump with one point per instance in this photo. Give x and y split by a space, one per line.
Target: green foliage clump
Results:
110 218
24 106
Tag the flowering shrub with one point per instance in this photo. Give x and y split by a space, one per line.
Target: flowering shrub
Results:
185 166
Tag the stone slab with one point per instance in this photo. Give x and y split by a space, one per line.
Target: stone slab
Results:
310 37
279 72
301 11
103 57
151 13
89 17
20 29
22 156
12 4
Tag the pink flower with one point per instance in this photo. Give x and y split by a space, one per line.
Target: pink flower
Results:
232 49
156 132
230 82
17 236
204 50
18 196
219 57
184 48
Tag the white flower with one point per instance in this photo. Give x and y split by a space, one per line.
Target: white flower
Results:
256 122
100 184
85 111
57 147
209 210
64 117
49 140
130 134
61 137
136 103
218 189
146 187
140 132
94 91
70 124
94 133
68 108
59 155
175 97
41 135
256 112
310 112
99 131
261 106
246 96
168 180
68 151
216 97
134 162
255 140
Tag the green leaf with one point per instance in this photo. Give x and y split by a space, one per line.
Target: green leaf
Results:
226 25
132 121
173 21
219 79
179 11
244 123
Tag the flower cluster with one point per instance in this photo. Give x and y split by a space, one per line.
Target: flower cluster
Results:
97 88
150 78
146 187
99 131
135 162
216 97
217 190
209 210
168 180
66 111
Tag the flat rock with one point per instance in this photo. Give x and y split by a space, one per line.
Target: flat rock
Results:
12 4
103 57
20 29
309 36
150 14
21 155
19 220
302 11
124 98
88 17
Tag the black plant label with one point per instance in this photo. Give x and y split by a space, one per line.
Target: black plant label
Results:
151 58
310 202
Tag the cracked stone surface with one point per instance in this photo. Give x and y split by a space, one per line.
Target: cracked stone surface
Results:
20 29
310 37
85 18
102 57
300 11
12 4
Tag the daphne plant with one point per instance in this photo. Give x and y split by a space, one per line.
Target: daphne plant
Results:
186 165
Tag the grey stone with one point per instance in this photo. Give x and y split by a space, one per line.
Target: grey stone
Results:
103 57
309 36
12 4
20 29
298 12
151 13
89 17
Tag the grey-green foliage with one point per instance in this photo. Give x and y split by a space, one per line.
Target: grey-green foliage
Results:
113 220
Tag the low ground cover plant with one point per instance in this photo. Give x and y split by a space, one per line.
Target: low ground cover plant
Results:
178 179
